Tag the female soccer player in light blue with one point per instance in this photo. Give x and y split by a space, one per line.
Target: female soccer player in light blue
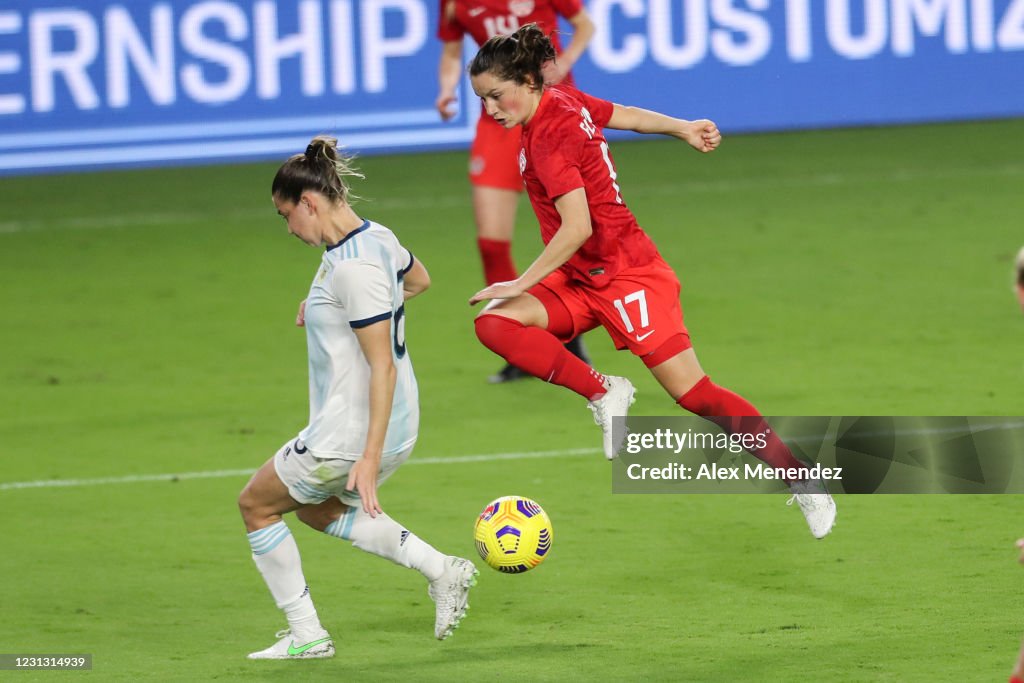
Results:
363 407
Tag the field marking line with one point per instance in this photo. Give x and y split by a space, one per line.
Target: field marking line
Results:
216 474
454 460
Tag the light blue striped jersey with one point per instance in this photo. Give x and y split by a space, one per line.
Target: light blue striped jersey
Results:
359 283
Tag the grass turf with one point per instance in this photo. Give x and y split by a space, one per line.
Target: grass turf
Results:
147 329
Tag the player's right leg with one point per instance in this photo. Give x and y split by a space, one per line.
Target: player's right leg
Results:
529 330
497 186
341 516
494 209
262 502
518 330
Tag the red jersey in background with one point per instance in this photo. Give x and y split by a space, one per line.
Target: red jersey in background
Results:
483 19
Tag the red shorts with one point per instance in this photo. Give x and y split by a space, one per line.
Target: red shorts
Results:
640 308
494 157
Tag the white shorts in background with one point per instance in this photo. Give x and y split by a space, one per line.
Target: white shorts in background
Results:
313 480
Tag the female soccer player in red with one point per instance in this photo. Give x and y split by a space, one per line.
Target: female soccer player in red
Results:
598 267
493 169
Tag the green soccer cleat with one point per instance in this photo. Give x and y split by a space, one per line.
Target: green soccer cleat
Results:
317 647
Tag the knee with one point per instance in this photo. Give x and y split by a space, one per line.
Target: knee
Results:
701 398
248 506
493 329
321 516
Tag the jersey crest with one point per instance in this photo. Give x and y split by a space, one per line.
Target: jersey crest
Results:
521 8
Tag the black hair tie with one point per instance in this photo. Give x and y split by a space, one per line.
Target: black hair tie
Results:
309 150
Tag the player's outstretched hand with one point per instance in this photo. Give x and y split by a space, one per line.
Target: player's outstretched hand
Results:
1020 545
499 290
703 135
363 478
300 318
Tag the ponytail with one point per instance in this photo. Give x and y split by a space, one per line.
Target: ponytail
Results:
518 57
322 168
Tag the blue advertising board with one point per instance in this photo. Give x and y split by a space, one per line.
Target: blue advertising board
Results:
102 83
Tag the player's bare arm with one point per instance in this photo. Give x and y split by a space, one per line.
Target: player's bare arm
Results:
702 134
416 281
449 72
582 32
375 342
574 231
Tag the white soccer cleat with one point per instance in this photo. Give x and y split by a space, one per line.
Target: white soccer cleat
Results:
615 403
817 505
450 594
317 647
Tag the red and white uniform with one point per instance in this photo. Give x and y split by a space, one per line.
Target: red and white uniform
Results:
493 155
483 19
617 278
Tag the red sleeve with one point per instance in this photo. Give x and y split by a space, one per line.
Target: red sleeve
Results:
600 110
448 30
568 8
556 158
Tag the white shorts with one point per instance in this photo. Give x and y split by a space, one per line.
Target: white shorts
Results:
312 480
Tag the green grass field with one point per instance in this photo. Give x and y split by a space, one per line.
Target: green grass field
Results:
147 330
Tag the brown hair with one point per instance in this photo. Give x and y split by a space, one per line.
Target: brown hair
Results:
517 57
321 169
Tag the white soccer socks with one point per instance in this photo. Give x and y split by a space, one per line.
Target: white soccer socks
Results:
277 557
386 538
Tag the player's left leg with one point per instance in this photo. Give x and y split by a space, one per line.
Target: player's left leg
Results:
683 378
262 502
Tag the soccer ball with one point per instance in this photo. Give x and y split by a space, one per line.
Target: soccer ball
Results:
513 534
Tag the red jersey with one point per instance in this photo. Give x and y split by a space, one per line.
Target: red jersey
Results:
485 19
564 148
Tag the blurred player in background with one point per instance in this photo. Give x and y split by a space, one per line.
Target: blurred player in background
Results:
493 170
1020 278
1018 668
364 408
598 267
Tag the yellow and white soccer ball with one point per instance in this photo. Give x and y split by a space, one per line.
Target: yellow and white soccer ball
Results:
513 534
